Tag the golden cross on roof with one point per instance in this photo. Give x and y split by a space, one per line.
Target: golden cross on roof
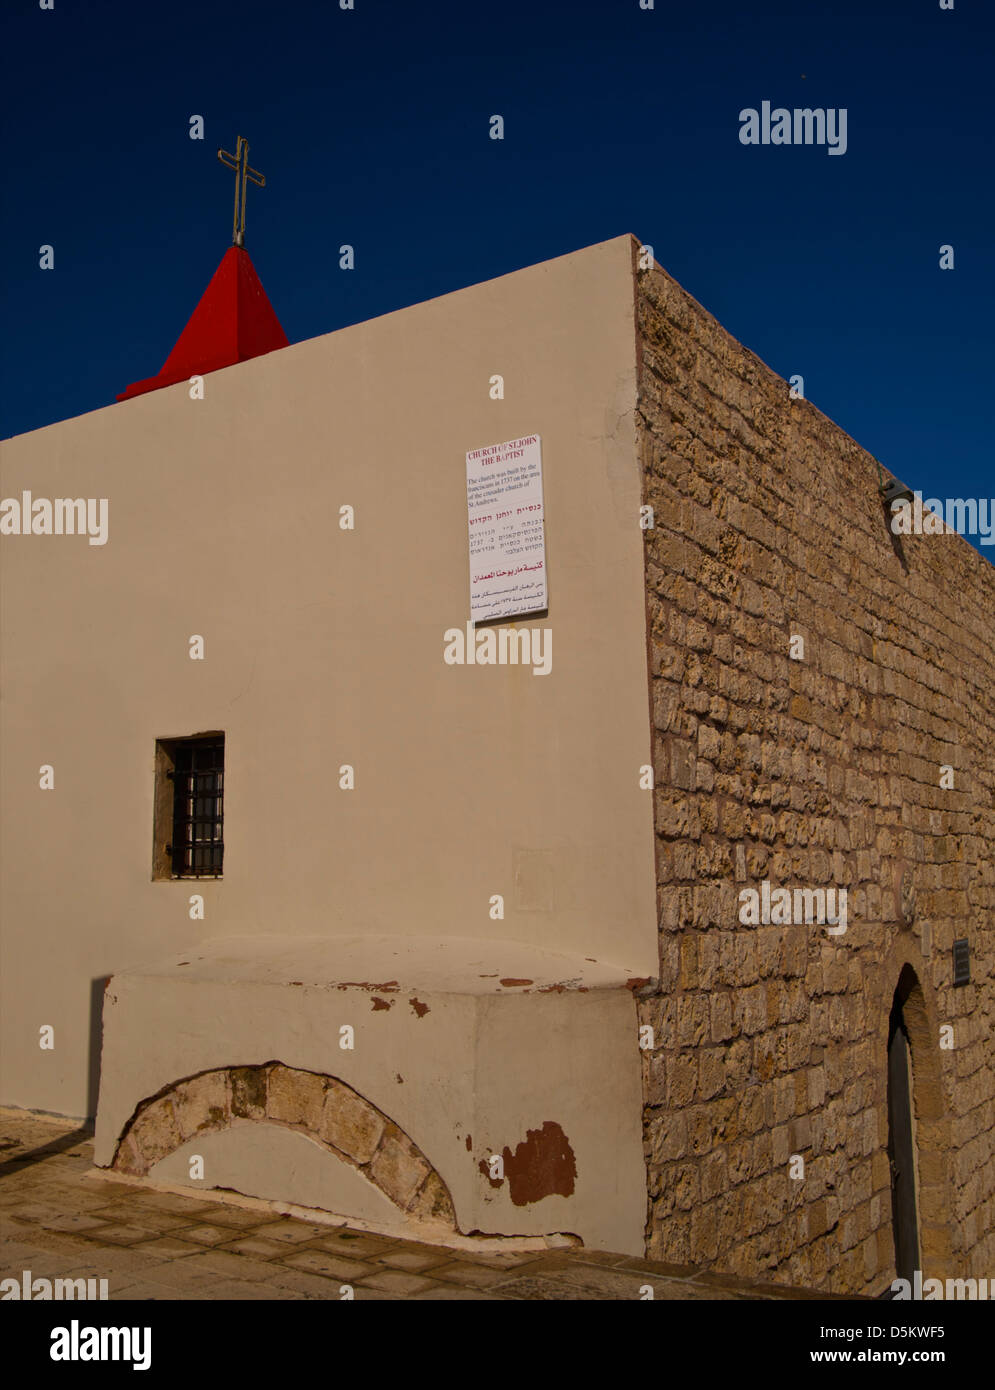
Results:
240 163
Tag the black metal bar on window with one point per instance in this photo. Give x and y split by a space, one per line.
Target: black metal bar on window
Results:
198 808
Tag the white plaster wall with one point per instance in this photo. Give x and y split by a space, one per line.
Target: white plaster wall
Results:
324 647
481 1067
279 1165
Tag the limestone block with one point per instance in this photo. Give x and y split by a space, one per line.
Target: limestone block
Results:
397 1167
817 1220
295 1097
713 1175
668 1138
799 1134
683 1074
433 1201
156 1132
682 764
248 1092
350 1124
712 1072
130 1159
202 1103
781 1146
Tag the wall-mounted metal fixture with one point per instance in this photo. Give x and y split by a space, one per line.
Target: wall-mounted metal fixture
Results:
892 490
962 962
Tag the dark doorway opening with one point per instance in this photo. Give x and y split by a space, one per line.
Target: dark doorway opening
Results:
901 1142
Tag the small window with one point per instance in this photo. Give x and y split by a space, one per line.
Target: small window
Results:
189 807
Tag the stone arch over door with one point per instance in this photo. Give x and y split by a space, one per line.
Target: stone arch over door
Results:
322 1108
931 1124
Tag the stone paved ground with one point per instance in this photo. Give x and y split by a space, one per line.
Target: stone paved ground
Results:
58 1223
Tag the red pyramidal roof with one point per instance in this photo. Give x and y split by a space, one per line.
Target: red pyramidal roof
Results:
233 322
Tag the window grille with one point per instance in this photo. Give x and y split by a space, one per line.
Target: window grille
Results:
198 775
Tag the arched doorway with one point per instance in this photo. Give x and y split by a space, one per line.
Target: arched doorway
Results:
902 1152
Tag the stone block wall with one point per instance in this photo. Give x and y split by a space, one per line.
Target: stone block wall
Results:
771 1041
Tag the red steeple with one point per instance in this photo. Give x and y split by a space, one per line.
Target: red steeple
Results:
233 322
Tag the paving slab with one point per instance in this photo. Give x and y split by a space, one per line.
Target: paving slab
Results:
331 1266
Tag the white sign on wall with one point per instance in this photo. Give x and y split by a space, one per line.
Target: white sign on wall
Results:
507 536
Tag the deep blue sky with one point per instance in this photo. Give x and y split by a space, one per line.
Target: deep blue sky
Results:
371 127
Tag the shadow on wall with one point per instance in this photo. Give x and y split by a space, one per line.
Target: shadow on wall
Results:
97 988
17 1163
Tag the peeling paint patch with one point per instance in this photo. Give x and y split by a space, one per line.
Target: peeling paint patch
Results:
399 1078
469 1143
508 984
391 986
420 1009
637 982
381 1003
542 1166
484 1167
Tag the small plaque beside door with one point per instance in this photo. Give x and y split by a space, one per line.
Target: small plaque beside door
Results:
962 962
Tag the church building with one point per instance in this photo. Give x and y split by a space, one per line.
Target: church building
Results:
494 772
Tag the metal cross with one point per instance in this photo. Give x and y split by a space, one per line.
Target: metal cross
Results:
240 163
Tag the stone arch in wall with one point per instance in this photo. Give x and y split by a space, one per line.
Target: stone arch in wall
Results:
320 1107
905 992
